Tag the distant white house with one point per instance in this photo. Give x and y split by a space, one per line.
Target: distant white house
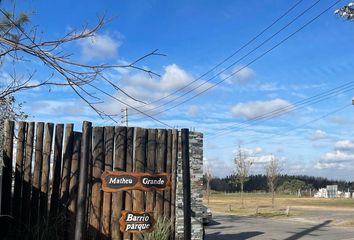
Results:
322 193
331 191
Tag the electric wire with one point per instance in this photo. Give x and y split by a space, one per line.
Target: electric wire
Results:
287 132
251 62
292 107
229 57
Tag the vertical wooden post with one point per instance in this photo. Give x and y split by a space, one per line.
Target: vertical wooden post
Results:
119 165
48 139
27 178
37 173
150 166
66 169
97 167
174 176
20 151
107 197
82 192
74 183
129 168
167 193
160 167
58 147
6 195
186 184
139 166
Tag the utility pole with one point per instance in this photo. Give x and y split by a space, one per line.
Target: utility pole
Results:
124 116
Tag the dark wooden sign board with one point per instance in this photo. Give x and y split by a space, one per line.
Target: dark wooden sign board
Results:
114 181
136 221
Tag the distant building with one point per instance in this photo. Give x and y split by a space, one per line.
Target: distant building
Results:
322 193
331 191
347 195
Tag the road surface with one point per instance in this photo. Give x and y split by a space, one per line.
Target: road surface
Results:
230 227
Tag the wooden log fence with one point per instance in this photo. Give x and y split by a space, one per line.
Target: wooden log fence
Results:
47 179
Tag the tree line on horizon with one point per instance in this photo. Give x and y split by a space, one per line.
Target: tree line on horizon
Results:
286 183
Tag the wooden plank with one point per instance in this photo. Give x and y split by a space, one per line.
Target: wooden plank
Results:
174 178
139 166
119 165
129 168
160 167
97 167
167 193
8 143
82 191
186 184
27 177
37 172
107 197
47 150
150 166
57 161
20 151
74 183
66 169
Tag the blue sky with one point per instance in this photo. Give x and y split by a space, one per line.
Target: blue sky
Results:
316 139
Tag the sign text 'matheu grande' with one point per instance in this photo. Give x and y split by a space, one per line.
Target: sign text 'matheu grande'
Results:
114 181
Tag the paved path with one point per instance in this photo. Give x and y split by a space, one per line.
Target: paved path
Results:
230 227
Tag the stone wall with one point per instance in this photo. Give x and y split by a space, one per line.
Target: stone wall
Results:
196 172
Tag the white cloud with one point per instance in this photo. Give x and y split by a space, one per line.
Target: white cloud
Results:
325 165
338 156
242 76
99 47
268 87
193 110
342 157
174 77
257 108
71 107
318 135
143 87
344 145
218 167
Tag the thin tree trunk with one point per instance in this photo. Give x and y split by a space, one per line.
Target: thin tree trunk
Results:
273 196
242 195
208 190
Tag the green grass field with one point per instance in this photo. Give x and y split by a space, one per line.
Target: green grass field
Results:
231 204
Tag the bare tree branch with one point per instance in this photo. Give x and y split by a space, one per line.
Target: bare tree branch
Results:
21 46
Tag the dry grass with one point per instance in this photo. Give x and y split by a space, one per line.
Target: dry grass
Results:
231 203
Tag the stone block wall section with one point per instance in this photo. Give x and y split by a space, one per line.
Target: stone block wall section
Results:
196 171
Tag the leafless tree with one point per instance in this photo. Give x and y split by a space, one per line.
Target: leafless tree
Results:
208 174
20 45
243 163
273 170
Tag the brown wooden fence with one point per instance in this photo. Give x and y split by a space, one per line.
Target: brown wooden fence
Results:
51 178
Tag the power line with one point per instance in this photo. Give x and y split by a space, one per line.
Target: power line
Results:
128 105
251 62
292 107
238 60
294 128
230 56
